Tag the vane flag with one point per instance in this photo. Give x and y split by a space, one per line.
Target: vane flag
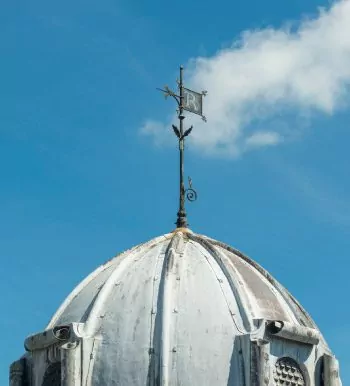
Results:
192 102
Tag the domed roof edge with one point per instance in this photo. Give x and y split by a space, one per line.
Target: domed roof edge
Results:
281 289
216 247
147 244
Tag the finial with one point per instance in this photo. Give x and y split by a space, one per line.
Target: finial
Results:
191 101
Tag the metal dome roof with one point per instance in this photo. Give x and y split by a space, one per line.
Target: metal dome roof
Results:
171 309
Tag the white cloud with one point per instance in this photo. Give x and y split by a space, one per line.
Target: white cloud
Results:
156 130
263 138
265 74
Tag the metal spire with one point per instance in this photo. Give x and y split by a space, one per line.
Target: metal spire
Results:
190 101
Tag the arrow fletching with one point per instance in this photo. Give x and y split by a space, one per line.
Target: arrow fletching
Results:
176 131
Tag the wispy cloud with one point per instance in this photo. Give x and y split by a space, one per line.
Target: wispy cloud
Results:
301 68
324 198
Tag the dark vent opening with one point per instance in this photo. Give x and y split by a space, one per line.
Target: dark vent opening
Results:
52 376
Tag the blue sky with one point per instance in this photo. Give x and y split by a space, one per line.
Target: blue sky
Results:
87 169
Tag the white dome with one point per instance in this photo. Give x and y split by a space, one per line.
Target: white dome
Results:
173 311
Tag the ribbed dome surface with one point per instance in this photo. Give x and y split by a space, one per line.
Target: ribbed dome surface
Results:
171 309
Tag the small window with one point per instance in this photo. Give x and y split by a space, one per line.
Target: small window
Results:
288 372
52 376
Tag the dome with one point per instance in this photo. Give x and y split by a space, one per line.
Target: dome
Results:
184 271
182 309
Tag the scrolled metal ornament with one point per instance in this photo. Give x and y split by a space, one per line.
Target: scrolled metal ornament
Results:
191 194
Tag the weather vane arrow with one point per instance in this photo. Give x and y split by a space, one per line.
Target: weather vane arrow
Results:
192 102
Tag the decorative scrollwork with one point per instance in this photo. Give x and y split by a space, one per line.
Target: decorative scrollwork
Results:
191 194
168 92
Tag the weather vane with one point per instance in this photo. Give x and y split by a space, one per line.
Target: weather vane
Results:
191 101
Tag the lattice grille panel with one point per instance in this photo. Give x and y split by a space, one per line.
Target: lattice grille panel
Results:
288 372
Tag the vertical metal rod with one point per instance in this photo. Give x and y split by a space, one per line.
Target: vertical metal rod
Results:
181 215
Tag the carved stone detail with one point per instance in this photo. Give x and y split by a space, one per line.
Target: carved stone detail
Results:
288 372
